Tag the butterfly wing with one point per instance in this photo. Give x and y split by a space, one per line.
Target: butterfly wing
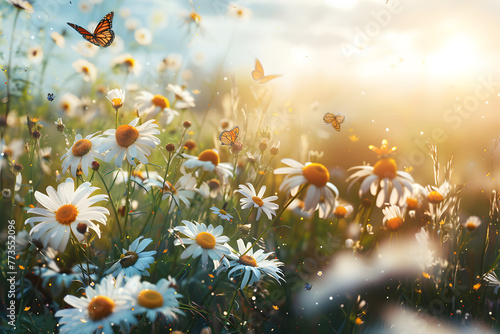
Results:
228 137
268 78
258 72
103 34
339 118
84 32
328 118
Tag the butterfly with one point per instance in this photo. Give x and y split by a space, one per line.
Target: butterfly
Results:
258 74
228 137
336 120
50 96
102 35
308 287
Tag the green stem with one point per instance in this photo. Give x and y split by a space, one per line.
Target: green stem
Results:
28 262
127 200
112 204
231 304
183 268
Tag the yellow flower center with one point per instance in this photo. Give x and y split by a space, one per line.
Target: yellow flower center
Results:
205 240
222 212
150 299
340 212
247 260
65 106
209 155
394 224
160 101
138 174
128 259
117 102
470 226
385 168
412 203
85 69
195 17
126 135
435 197
169 188
81 147
66 214
316 174
258 201
100 307
129 62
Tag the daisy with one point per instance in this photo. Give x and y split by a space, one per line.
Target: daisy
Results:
252 199
58 39
143 36
251 266
59 279
221 213
172 62
203 240
35 54
393 218
116 97
151 105
134 261
64 211
154 299
81 154
99 309
383 179
134 143
436 195
414 200
342 209
88 70
472 223
138 177
238 11
209 161
22 4
70 103
314 175
183 98
183 191
86 49
126 62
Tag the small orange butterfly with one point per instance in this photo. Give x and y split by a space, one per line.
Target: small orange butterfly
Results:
258 74
102 35
228 137
334 119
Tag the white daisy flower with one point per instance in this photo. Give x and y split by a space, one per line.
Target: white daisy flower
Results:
414 199
70 104
86 68
116 97
221 213
35 54
172 62
252 265
134 261
209 161
393 218
472 223
126 62
316 176
98 310
134 143
81 154
252 199
342 209
58 39
183 98
64 211
59 279
392 185
154 299
436 195
182 192
22 4
203 240
150 106
143 36
235 10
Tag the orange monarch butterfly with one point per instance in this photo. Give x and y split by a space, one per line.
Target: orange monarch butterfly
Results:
228 137
334 119
258 74
102 36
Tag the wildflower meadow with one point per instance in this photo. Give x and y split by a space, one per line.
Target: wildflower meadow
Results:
194 166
